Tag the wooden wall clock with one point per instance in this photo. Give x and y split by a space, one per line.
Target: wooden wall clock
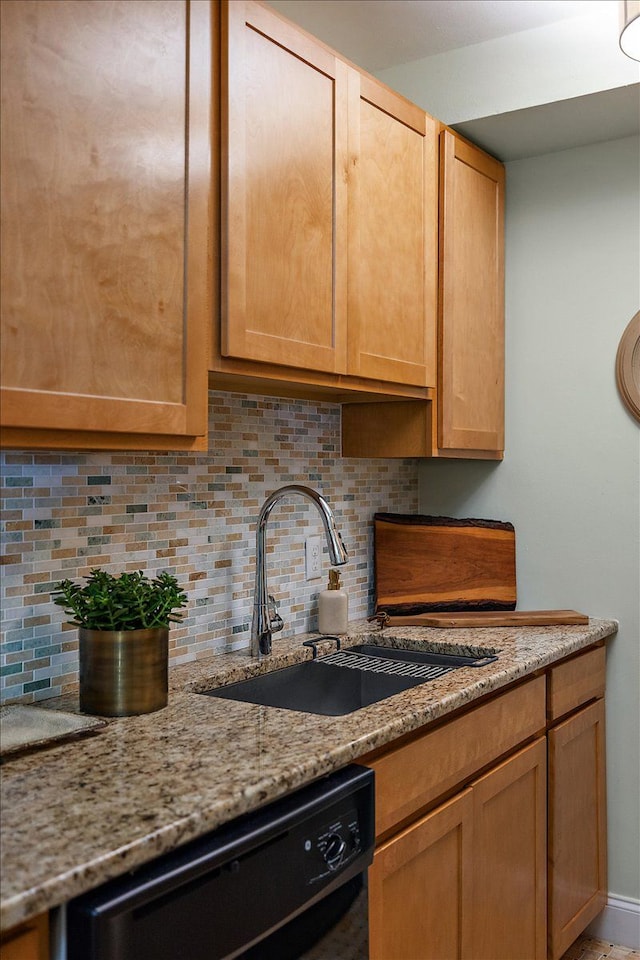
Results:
628 366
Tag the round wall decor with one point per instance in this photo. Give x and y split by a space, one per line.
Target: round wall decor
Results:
628 366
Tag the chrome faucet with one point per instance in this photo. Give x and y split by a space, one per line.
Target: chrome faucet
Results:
266 619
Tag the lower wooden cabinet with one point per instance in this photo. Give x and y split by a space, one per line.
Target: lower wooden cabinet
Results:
418 884
468 880
492 836
412 777
508 905
28 941
577 826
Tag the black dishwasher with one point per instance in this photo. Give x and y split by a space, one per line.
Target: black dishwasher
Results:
270 885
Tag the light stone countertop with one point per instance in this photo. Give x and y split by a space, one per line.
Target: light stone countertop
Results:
77 814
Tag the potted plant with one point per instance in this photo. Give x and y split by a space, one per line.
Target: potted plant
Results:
124 626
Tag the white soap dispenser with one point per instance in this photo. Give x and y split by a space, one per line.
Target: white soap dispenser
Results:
333 606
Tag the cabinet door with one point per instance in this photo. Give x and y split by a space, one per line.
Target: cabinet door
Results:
418 884
393 236
284 132
577 826
471 329
105 193
509 859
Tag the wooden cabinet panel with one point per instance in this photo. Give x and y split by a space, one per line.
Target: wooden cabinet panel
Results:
468 880
399 428
284 123
418 884
105 306
577 826
471 330
329 217
465 418
396 428
440 759
24 946
513 867
28 941
575 682
510 859
393 236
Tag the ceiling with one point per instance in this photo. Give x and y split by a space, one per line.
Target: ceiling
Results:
377 34
577 122
380 35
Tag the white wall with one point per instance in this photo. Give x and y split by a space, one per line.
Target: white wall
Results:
570 481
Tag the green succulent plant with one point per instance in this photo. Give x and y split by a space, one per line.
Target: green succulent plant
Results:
130 601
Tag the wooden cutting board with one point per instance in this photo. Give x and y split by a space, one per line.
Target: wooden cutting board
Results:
443 564
489 618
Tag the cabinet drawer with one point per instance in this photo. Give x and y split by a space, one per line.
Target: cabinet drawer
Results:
576 682
413 775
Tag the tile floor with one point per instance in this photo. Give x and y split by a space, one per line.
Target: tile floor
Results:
586 948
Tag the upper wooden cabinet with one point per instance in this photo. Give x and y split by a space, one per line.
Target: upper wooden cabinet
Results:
471 326
393 236
357 260
466 416
284 162
106 143
329 214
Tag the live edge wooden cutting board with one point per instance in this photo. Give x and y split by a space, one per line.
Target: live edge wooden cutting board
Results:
425 563
486 618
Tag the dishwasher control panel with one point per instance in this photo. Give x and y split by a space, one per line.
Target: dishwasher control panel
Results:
333 846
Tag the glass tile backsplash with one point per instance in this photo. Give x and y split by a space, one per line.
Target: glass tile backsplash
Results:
191 514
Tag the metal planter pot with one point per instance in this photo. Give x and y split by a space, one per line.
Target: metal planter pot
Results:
123 672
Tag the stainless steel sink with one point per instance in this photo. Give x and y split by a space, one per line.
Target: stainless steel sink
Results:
347 680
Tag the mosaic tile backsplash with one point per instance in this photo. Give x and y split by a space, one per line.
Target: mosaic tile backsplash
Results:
193 515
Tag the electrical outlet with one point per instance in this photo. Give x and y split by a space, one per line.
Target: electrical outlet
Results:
313 558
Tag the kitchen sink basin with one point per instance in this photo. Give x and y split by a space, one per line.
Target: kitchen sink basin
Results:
347 680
